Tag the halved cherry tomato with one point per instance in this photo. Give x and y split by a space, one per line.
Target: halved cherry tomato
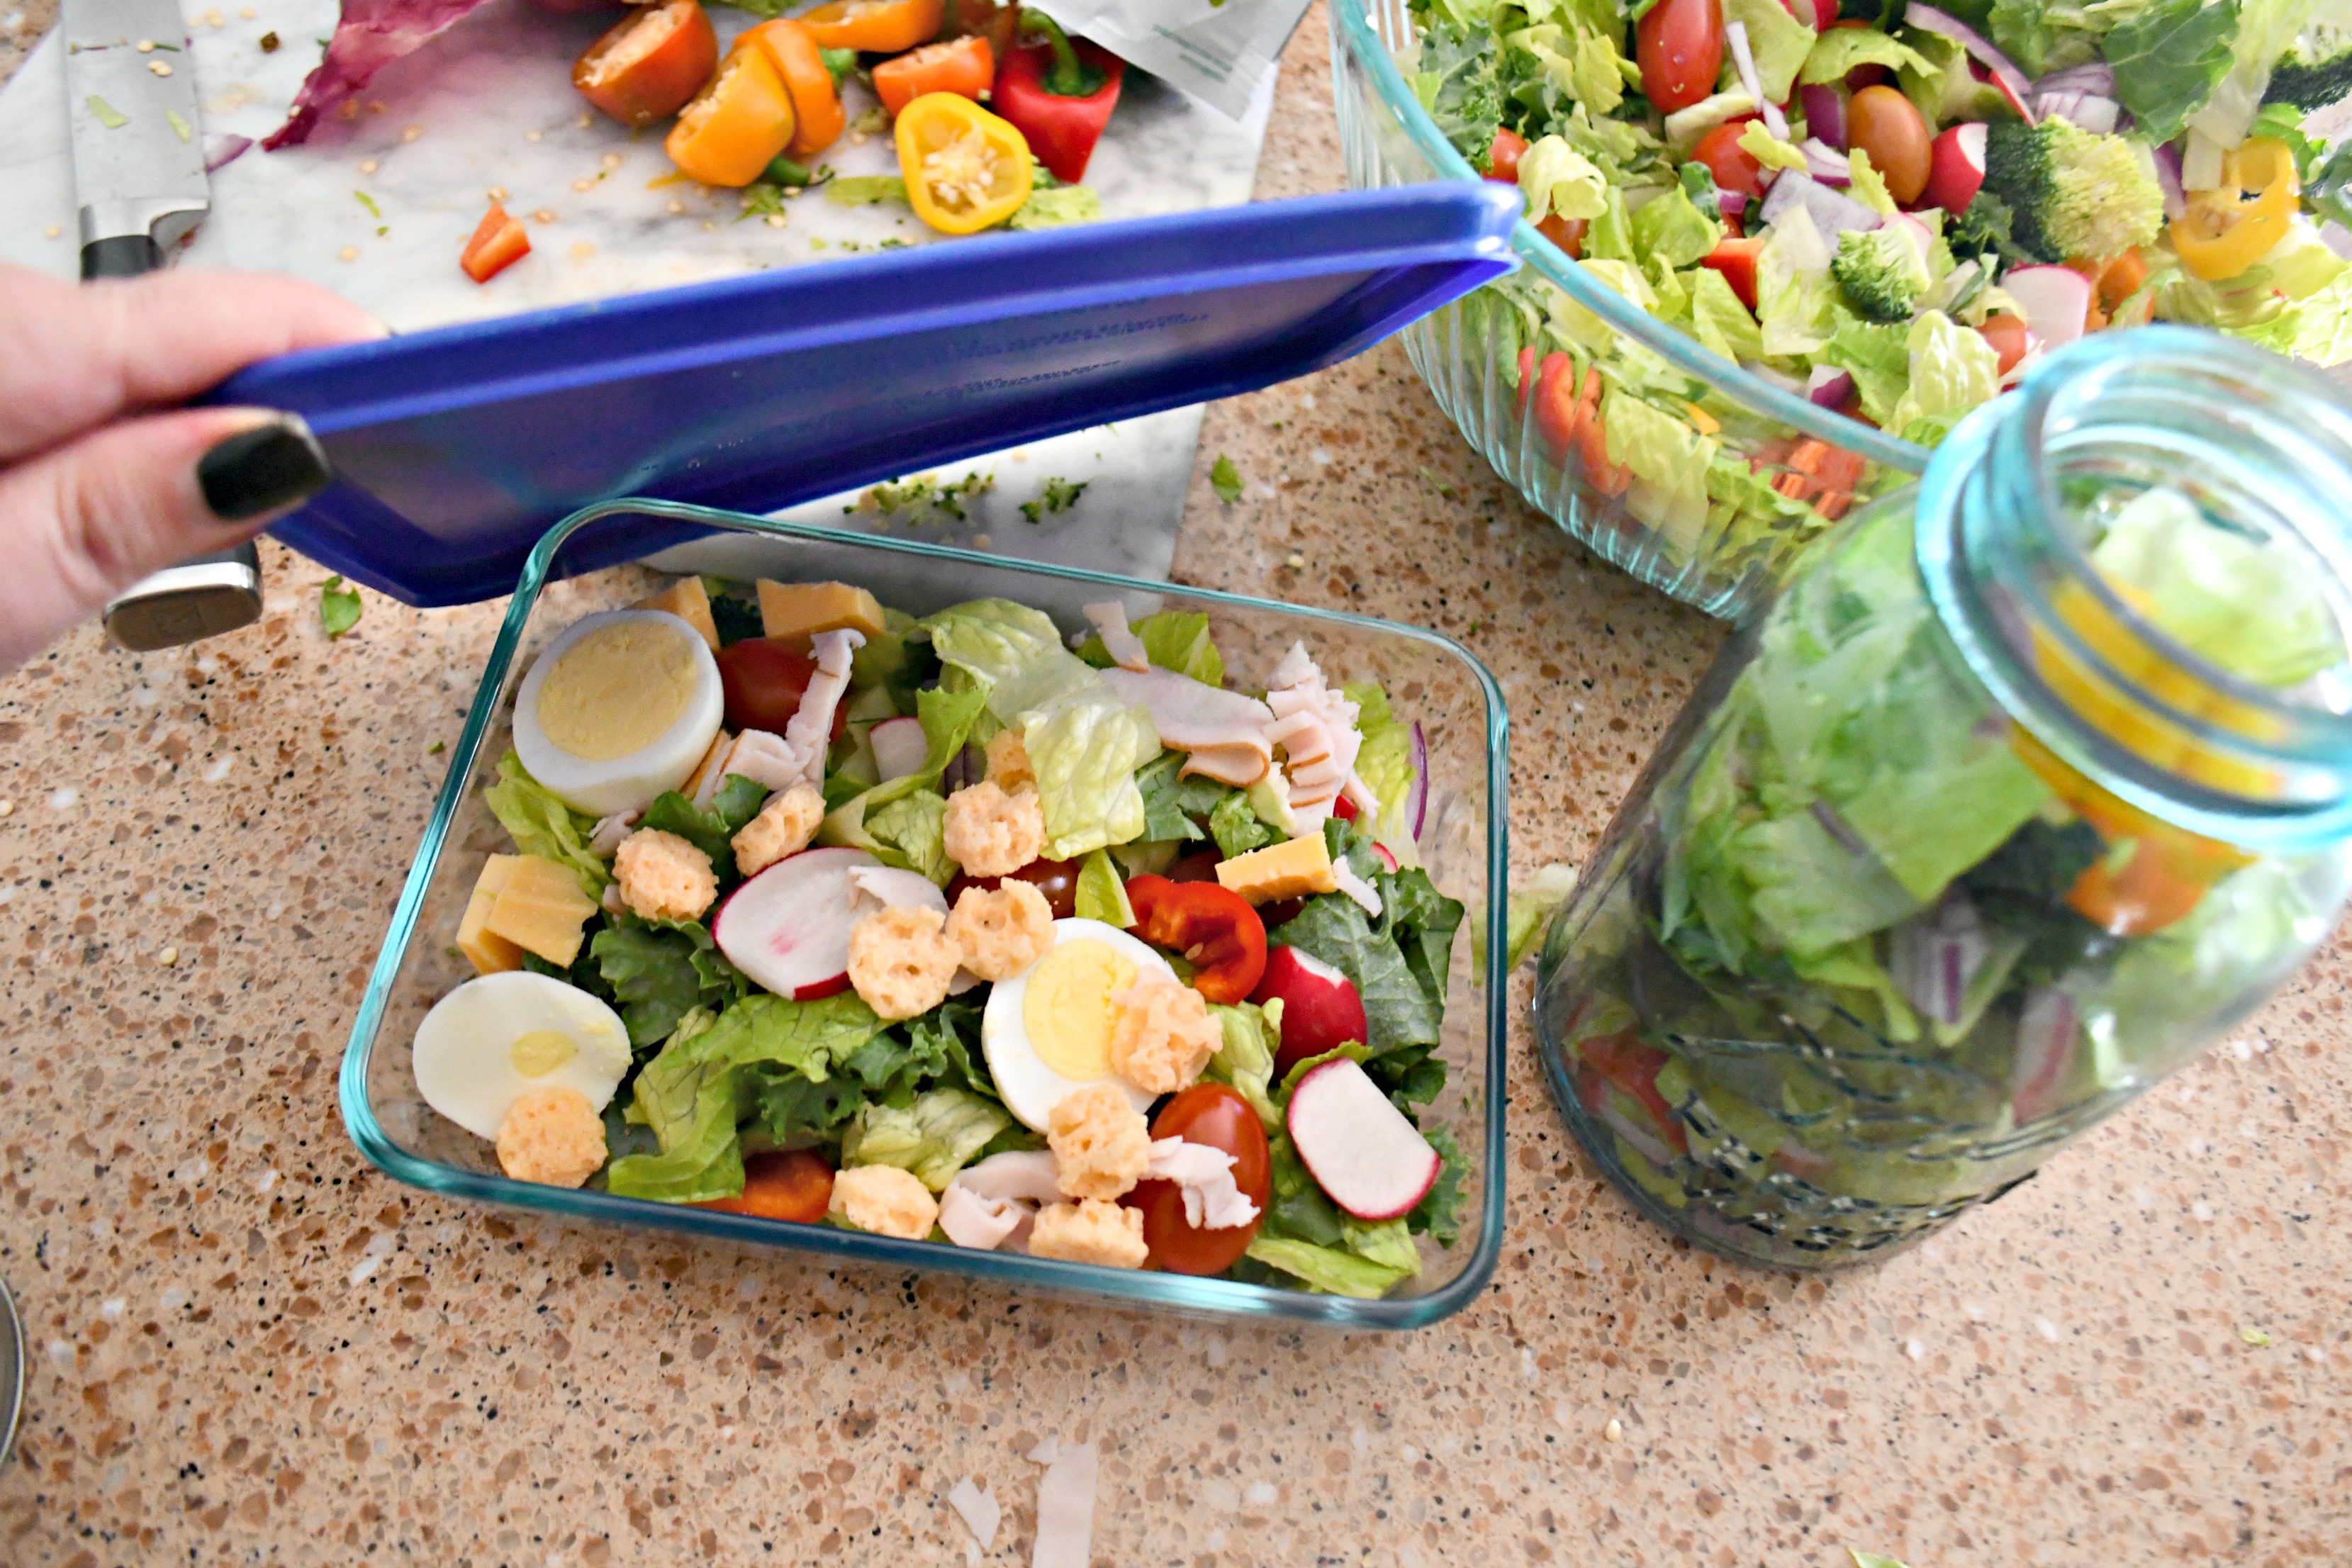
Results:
498 244
1736 260
875 26
1735 167
1057 879
1215 1116
817 118
735 126
1679 47
964 67
793 1184
1502 157
1568 233
1213 927
2007 335
648 66
1622 1061
764 682
966 169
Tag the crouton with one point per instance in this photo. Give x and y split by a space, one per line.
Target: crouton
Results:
900 961
1001 931
1161 1035
884 1200
1099 1142
553 1137
784 826
1008 762
1092 1231
663 877
990 833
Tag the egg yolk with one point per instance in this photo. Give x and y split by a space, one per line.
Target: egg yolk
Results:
1068 1012
617 691
541 1052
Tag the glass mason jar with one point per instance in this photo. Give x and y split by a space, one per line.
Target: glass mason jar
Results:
2031 781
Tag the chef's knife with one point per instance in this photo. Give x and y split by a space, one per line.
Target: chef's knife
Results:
138 174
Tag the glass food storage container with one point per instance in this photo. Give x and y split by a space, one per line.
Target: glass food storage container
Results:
1461 839
2032 781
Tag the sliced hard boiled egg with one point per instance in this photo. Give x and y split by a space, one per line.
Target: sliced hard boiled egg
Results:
496 1038
1046 1031
620 707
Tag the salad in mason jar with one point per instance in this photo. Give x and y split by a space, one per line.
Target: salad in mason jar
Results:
1889 208
941 931
1867 949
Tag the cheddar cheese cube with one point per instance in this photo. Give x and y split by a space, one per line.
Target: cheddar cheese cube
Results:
1278 872
541 909
687 599
489 954
794 613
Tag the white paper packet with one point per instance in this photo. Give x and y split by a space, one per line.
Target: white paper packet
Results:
1216 52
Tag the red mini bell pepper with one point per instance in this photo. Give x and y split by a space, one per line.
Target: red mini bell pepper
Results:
1213 927
1059 94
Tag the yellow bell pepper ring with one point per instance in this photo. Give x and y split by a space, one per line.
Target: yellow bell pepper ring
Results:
965 169
736 125
2227 230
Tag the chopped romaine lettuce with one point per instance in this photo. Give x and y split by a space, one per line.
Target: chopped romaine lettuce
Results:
541 824
934 1137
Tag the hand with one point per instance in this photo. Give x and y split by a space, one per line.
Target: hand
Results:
102 478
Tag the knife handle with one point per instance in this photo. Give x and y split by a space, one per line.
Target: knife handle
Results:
198 598
121 255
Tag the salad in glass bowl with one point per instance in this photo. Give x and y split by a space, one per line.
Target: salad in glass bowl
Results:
1882 210
936 930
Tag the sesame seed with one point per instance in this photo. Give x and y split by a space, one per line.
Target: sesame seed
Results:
159 67
582 251
1294 561
411 132
1614 1432
146 46
775 220
585 121
497 193
51 232
676 206
530 135
611 160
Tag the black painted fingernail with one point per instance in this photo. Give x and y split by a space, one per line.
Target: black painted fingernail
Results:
262 469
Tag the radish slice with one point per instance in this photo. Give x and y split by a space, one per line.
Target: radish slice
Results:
1743 59
1357 1146
1829 388
900 747
1321 1009
1824 113
2056 301
1955 165
2010 80
788 928
1416 798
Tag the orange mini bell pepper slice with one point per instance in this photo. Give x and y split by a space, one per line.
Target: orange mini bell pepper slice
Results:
965 169
736 125
498 244
964 67
817 117
651 64
875 26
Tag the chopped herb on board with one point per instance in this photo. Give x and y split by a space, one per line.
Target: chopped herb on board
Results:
269 43
339 607
1059 495
1225 479
368 201
762 200
108 115
923 498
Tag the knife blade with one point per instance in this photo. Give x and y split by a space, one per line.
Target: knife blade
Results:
138 156
139 176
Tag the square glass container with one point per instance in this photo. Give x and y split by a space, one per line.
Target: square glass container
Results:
1429 679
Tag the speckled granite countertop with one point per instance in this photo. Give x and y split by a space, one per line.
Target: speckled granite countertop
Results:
247 1346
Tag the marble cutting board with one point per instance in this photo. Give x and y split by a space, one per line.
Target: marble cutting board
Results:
377 207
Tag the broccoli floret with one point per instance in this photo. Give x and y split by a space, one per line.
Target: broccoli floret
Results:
1882 272
2316 73
2074 194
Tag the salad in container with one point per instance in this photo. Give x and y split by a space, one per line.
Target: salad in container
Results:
969 930
1881 210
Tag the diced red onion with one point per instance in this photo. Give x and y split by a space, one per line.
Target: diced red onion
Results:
1830 388
2083 110
1825 163
2095 76
2337 238
2168 175
1730 203
2013 81
1824 113
1743 59
2042 1053
220 152
1933 957
1416 798
1833 213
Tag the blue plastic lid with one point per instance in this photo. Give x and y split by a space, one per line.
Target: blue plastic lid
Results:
455 449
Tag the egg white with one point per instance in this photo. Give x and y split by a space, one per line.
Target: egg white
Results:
1029 1088
627 783
461 1058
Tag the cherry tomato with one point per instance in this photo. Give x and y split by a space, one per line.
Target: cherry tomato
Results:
1568 233
1200 865
2006 333
1884 123
1502 157
1213 926
1679 47
795 1184
1735 167
1057 879
1215 1115
764 682
650 64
